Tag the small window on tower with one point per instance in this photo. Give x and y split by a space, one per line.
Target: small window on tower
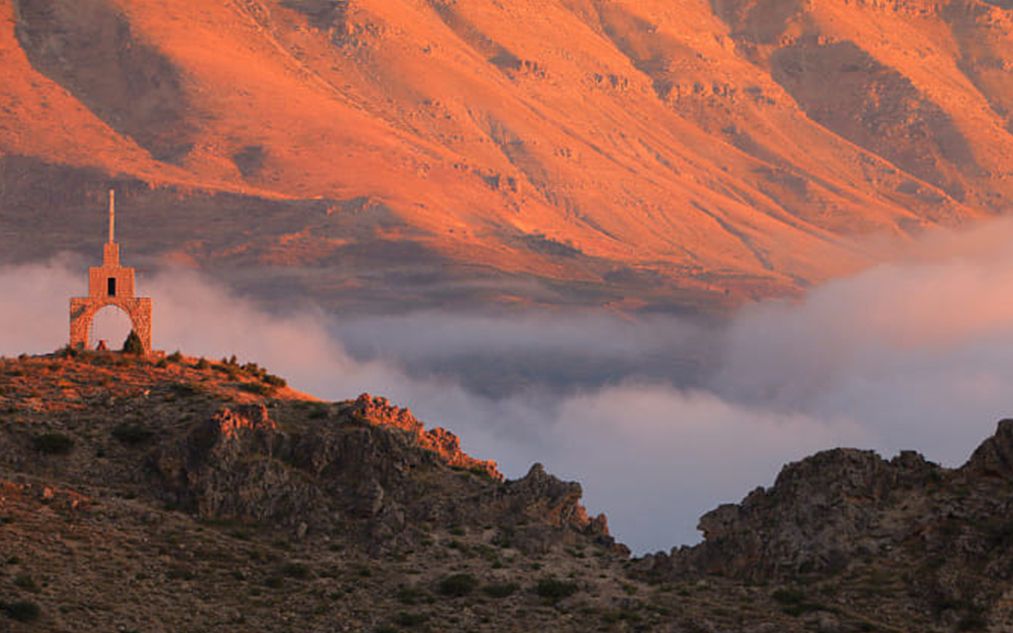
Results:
112 287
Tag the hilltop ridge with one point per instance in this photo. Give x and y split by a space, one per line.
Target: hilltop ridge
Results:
189 494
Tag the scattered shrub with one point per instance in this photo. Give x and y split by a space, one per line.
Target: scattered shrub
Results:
409 595
296 570
273 582
175 357
457 585
202 363
25 582
554 590
132 434
21 611
180 573
183 389
67 352
256 388
53 443
976 620
794 602
275 381
133 345
410 619
500 590
788 596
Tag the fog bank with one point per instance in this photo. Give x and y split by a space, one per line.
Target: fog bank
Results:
661 419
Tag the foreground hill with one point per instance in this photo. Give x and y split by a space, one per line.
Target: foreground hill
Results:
574 151
182 495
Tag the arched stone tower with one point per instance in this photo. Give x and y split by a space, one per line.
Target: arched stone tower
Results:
110 284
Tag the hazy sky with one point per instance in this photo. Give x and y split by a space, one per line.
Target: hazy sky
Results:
659 419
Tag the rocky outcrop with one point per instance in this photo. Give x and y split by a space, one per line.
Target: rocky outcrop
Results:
365 467
439 440
942 535
539 511
821 512
225 468
995 456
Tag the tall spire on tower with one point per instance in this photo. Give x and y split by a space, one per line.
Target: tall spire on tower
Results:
111 250
112 216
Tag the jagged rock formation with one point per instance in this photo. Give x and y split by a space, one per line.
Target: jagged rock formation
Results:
942 536
365 467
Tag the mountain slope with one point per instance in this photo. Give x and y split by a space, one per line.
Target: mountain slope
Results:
173 493
749 146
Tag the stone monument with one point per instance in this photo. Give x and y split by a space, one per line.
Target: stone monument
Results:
110 284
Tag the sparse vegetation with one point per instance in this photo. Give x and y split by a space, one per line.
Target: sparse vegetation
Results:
794 602
257 388
273 582
21 611
275 381
500 590
296 570
457 585
180 573
24 581
183 389
133 344
53 443
407 619
132 434
553 590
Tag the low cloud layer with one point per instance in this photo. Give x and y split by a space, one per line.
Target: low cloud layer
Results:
661 419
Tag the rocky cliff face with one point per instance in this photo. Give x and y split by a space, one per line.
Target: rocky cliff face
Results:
669 153
940 537
364 468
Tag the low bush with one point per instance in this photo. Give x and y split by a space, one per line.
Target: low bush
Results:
410 595
794 602
132 434
256 388
457 585
296 570
53 443
21 611
26 582
133 345
500 590
554 590
275 381
410 619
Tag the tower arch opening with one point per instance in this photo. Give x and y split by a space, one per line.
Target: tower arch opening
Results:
111 324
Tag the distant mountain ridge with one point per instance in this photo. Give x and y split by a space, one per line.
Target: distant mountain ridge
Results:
644 153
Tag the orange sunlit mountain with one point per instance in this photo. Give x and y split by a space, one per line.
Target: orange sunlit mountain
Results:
556 150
